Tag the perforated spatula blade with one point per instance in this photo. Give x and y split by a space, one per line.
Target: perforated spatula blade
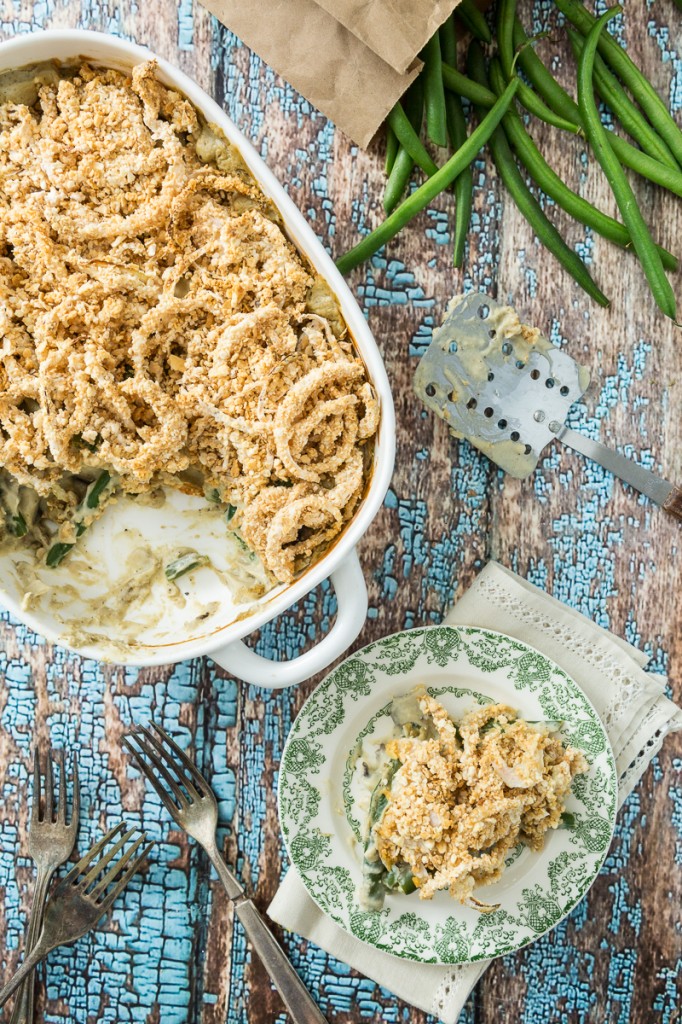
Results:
505 388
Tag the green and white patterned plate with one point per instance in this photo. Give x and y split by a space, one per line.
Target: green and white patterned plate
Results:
323 794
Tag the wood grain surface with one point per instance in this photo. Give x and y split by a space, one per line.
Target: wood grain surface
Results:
170 953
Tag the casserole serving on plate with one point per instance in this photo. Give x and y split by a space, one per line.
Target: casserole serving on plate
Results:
203 395
334 788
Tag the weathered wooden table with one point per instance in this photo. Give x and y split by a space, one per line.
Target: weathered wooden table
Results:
170 953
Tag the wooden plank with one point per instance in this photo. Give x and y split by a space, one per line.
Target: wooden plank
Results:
570 528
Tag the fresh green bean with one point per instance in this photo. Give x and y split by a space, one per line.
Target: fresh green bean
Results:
464 183
562 103
402 168
188 562
598 137
431 188
448 42
409 139
526 201
554 186
392 147
104 481
543 80
436 126
645 165
640 87
531 101
473 19
461 85
631 119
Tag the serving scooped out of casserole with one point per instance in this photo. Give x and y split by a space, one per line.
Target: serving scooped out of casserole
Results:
160 331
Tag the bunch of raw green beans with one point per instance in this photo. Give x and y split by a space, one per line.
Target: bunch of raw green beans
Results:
493 88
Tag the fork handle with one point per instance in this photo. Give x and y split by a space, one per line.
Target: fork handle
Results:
38 953
22 1012
295 995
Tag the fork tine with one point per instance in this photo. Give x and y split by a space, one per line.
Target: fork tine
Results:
105 859
108 900
90 856
147 748
116 868
198 779
163 794
61 802
76 802
164 756
49 787
35 807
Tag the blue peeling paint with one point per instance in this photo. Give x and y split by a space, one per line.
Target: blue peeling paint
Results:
139 967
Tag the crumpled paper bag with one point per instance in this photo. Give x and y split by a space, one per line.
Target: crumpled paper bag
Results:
396 30
338 60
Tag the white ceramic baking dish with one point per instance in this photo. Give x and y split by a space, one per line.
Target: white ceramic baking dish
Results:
184 633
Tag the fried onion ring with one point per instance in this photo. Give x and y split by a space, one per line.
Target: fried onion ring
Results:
155 319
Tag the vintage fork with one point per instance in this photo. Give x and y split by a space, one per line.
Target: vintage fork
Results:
50 843
196 812
83 897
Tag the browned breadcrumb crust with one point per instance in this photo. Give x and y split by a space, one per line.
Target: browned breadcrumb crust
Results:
153 309
457 808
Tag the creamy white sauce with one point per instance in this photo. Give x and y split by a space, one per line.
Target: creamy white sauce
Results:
111 590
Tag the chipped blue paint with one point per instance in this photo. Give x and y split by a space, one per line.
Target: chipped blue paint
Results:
676 816
185 25
671 58
161 912
157 931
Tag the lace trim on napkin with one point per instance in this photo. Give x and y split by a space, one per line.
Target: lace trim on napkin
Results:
664 718
627 688
636 737
631 703
455 988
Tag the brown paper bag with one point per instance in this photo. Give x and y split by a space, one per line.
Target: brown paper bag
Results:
395 30
334 69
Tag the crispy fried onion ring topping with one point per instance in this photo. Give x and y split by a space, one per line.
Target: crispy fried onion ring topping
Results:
315 435
155 319
290 524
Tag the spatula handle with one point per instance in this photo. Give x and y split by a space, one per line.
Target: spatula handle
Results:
673 505
642 479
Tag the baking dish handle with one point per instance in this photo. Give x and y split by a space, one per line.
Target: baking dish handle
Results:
351 594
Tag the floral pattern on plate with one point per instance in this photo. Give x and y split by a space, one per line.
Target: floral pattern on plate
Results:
321 792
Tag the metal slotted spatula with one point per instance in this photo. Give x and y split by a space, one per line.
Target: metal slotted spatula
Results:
507 390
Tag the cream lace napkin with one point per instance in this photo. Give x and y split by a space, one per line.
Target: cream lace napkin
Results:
630 702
